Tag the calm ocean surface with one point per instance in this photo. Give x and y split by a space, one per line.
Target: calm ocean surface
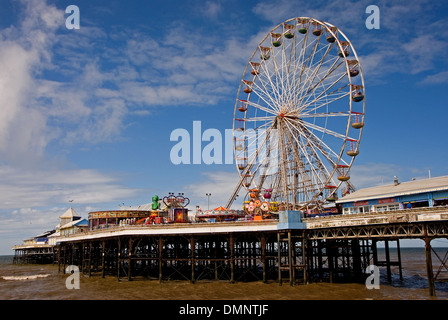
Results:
29 282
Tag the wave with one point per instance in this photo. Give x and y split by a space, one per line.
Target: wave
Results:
29 277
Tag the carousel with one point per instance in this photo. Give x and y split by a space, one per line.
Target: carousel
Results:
219 214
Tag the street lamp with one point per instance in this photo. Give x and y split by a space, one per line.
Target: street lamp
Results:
208 200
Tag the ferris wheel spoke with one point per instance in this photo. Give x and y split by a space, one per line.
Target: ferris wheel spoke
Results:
264 162
327 81
332 69
313 51
307 155
325 115
263 87
256 146
295 62
327 102
262 93
279 76
324 130
305 97
311 138
307 180
267 118
288 61
282 163
262 108
253 158
329 154
322 85
309 80
301 64
275 93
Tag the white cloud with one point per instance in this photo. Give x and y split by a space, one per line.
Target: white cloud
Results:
438 78
375 174
31 201
24 51
423 51
211 9
94 79
20 188
220 184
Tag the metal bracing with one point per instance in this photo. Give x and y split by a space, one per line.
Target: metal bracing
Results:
392 231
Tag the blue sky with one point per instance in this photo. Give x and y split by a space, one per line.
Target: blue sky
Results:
86 115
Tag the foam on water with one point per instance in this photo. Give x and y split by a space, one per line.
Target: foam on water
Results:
27 277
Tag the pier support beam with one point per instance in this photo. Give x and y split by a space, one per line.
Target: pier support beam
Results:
389 273
118 258
103 256
263 255
429 271
131 241
160 247
232 258
192 246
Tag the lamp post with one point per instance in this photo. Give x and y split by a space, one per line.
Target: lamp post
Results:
208 200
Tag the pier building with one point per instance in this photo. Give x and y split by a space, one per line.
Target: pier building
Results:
41 248
399 195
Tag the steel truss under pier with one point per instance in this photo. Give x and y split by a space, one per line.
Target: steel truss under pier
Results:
44 254
244 256
282 256
332 254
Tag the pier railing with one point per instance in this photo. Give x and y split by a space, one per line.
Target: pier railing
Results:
333 221
192 227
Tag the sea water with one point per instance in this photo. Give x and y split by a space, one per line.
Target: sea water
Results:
29 282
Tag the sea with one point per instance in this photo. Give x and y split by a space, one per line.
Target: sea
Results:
44 282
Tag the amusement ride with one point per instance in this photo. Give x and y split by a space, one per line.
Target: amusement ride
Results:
298 118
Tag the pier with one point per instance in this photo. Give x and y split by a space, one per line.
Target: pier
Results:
34 254
335 248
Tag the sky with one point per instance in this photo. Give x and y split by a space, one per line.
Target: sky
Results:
86 114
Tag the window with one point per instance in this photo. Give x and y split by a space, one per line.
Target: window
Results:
350 210
391 207
394 207
364 209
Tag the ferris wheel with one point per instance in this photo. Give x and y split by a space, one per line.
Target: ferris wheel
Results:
299 115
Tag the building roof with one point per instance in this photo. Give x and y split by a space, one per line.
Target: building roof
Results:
70 213
45 234
79 223
401 189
